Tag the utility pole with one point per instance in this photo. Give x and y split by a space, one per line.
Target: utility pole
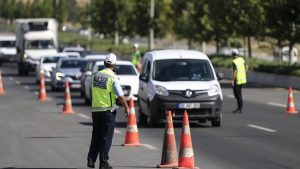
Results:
151 31
89 20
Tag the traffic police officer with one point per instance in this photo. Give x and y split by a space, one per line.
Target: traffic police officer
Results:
136 57
238 79
105 89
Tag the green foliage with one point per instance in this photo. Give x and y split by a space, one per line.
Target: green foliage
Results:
258 65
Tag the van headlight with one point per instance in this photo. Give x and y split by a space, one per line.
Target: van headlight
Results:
59 75
213 90
160 90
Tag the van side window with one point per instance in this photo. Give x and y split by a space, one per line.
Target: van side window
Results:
144 66
148 69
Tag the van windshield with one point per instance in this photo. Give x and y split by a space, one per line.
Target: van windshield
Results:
8 44
182 70
40 44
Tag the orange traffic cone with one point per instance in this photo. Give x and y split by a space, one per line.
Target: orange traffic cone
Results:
1 84
186 152
67 109
169 155
132 133
42 95
290 104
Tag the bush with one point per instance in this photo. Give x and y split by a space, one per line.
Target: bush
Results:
258 65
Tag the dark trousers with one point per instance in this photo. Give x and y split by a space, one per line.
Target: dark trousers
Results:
102 135
237 91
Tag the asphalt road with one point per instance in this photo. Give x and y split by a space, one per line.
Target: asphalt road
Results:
36 134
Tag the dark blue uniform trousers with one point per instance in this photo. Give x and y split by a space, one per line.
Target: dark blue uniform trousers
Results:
102 135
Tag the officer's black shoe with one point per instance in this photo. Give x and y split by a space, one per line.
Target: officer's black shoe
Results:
106 167
236 111
90 163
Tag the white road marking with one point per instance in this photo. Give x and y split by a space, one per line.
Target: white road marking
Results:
11 78
83 116
262 128
18 82
26 87
276 104
230 96
117 131
150 147
36 93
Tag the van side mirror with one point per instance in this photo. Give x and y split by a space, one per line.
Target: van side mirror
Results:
144 77
220 76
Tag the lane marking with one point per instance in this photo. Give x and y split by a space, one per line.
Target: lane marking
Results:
117 131
151 147
36 93
276 104
11 78
26 87
262 128
83 116
230 96
18 82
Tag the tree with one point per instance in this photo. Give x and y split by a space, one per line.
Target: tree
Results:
283 23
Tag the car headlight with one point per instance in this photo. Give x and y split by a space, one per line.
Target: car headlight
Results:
160 90
59 75
25 55
213 90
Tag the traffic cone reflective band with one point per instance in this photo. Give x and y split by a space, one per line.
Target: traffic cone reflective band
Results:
42 94
132 133
290 104
169 157
1 84
67 109
186 153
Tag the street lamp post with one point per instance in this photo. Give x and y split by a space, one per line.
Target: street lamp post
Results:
151 31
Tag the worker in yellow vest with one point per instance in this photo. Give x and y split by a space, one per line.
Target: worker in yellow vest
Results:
106 89
239 78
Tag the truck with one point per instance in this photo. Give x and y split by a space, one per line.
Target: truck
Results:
34 38
7 48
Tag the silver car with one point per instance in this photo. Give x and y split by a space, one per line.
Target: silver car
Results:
67 69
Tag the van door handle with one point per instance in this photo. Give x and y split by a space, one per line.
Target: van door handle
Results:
142 88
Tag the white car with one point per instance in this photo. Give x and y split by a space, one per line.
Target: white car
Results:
126 72
8 50
46 65
72 54
179 80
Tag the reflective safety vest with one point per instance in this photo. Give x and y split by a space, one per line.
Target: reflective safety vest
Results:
241 70
135 57
103 95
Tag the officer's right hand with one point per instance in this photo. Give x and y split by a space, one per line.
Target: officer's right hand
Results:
127 111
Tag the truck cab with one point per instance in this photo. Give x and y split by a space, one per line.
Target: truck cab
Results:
34 39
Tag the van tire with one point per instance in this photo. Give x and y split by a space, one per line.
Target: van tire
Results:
216 122
151 120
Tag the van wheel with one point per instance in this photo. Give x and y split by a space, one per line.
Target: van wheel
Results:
87 101
216 122
53 88
151 120
142 116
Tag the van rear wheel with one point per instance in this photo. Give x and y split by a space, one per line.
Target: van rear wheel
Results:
217 122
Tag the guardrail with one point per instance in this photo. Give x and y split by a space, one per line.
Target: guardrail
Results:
266 78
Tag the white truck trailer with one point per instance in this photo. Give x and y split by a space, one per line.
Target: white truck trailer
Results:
34 38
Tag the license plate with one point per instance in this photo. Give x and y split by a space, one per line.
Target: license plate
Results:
189 105
76 85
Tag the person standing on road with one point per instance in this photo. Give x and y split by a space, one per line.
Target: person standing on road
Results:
136 57
105 89
239 78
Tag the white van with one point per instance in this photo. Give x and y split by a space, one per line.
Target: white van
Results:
179 80
7 48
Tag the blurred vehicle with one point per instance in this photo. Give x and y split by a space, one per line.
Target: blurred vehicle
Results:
67 69
226 48
46 65
87 70
72 54
82 51
179 80
35 37
7 48
285 55
126 72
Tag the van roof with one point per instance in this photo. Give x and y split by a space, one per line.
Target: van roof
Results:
7 37
175 54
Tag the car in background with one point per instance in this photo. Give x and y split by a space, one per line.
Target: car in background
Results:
285 55
8 50
72 54
67 69
87 70
127 74
179 80
46 65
